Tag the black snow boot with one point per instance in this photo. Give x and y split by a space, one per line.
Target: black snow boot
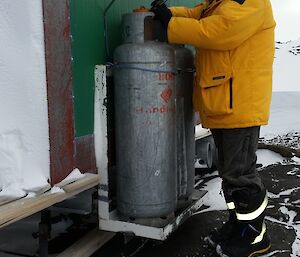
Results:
219 235
249 243
250 238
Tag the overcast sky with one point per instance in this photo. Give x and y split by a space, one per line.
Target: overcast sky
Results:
287 16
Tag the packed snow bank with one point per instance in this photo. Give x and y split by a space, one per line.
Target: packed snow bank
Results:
284 116
286 66
24 138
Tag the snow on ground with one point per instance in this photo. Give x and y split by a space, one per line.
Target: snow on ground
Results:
214 198
267 157
296 160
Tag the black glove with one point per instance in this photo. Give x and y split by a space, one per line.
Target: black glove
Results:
162 13
157 3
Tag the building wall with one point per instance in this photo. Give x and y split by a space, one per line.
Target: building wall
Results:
88 49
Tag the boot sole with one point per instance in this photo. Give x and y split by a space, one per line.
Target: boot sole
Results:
256 253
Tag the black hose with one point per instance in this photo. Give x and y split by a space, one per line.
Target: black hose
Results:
106 29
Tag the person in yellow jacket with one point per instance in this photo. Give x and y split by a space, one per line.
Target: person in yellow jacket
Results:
234 41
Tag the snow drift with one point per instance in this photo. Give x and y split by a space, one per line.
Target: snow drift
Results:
24 138
286 66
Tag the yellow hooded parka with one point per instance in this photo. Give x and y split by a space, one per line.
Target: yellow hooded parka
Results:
235 46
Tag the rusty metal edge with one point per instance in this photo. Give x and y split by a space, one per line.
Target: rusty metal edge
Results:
85 159
59 87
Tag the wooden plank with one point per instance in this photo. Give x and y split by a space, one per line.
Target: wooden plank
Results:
88 245
89 181
7 199
23 208
59 88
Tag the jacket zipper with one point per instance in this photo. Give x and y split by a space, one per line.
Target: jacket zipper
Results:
230 93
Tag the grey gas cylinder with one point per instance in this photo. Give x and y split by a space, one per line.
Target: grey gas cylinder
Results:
138 27
145 129
185 146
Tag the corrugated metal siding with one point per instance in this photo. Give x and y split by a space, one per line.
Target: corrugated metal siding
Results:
88 49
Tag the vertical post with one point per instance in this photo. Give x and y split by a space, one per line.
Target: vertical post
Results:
59 87
44 232
101 139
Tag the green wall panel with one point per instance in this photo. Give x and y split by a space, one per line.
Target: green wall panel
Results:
88 49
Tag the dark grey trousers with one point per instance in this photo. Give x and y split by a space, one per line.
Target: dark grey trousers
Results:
237 160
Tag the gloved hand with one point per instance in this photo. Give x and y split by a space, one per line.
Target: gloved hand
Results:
157 3
162 12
